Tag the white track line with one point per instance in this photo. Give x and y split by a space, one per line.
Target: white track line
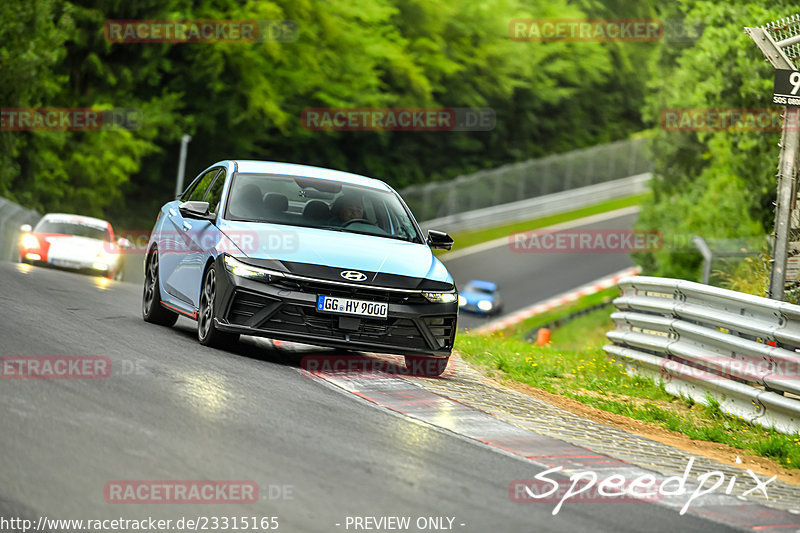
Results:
503 241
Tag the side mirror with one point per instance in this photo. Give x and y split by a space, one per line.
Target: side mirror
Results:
439 240
25 228
198 210
122 242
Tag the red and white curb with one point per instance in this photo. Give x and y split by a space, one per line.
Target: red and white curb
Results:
556 301
402 396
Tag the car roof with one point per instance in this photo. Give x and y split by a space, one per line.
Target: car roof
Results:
78 219
480 284
306 171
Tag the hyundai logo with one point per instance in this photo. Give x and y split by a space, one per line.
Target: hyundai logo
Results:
353 275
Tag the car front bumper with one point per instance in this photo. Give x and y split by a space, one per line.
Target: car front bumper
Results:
287 310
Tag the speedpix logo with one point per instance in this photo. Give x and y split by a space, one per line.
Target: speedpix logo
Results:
587 486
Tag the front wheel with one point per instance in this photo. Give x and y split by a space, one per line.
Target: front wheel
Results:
152 310
426 366
207 332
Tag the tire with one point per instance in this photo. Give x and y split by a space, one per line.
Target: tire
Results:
152 310
119 275
419 365
207 332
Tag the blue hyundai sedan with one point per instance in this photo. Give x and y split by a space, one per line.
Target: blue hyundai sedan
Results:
303 254
481 297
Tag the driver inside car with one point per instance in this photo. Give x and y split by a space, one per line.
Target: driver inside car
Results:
345 209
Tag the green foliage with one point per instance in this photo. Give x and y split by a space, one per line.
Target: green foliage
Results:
718 185
574 365
244 100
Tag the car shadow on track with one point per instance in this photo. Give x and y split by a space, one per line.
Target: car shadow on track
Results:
314 361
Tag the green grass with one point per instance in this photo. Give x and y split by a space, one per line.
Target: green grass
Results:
574 365
520 329
464 239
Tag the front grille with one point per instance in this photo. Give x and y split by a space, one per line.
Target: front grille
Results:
247 305
443 330
306 320
362 293
271 314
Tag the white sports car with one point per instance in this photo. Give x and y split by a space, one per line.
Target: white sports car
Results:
73 242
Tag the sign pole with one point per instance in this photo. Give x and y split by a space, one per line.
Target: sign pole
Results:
787 168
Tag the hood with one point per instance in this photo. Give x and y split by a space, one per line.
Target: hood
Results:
325 254
73 247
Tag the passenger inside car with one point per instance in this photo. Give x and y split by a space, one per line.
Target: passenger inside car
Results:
316 213
345 209
246 202
275 206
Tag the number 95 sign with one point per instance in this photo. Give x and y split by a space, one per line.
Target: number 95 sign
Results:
787 88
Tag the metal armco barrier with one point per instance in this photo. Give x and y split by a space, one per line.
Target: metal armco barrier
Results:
541 206
534 178
705 341
12 216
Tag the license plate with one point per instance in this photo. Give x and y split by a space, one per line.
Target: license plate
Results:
346 306
64 264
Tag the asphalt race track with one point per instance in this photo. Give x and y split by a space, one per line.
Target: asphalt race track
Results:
173 410
527 278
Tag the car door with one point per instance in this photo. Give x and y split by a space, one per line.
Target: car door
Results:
205 236
183 257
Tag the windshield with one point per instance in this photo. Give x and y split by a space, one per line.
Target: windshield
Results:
72 228
474 288
322 204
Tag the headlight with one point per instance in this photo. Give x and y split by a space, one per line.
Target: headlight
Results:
237 268
105 258
29 241
440 297
485 305
462 301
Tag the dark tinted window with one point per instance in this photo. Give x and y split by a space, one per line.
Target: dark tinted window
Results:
69 228
319 203
215 193
482 290
200 189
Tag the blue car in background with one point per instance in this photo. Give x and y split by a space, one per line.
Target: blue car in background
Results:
480 297
302 254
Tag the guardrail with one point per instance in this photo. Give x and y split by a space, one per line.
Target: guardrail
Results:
541 206
12 216
529 179
702 341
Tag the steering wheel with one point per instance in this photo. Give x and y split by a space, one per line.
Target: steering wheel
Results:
354 220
